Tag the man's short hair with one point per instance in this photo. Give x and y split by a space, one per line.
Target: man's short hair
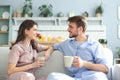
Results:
79 20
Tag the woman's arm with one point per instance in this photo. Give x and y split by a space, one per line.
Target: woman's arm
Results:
12 68
49 52
41 47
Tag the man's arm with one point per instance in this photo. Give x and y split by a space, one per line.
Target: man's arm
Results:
79 63
96 67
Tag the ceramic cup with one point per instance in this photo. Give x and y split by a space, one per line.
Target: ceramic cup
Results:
68 60
41 58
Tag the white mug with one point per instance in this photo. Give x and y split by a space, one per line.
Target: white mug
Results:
68 60
41 58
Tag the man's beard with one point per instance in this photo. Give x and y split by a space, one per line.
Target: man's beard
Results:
75 35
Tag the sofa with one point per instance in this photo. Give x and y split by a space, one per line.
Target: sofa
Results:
54 64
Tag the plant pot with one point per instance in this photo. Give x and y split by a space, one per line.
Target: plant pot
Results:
14 14
26 15
98 14
45 15
118 52
18 14
60 14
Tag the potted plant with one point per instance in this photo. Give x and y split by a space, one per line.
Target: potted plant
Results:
18 12
118 51
99 10
46 10
103 41
27 8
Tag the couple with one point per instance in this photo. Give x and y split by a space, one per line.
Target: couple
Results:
89 61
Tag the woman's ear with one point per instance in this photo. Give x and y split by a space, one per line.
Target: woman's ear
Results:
26 31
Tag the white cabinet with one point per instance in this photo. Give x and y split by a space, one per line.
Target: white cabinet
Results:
95 32
5 24
57 26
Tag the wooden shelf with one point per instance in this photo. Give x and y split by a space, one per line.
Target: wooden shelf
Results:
4 19
3 32
4 45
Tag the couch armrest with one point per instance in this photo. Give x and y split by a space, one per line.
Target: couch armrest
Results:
116 72
4 52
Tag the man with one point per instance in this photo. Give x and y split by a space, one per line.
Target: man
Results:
89 61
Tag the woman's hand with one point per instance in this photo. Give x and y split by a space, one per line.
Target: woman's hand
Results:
38 63
78 62
46 55
48 52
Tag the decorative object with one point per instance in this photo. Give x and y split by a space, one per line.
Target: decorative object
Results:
103 41
118 51
18 12
99 10
4 28
71 14
85 14
5 15
46 10
60 14
27 8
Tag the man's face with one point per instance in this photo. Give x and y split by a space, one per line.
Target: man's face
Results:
72 29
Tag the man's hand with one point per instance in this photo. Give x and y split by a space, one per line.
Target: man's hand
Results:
78 62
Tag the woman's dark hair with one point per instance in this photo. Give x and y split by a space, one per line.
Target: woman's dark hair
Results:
79 20
27 24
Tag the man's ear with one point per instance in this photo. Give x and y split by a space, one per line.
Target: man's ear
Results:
80 29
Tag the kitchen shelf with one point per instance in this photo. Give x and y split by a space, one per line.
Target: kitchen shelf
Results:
56 20
18 20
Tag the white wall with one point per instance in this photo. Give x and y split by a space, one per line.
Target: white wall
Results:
110 15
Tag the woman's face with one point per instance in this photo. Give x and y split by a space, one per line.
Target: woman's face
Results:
31 34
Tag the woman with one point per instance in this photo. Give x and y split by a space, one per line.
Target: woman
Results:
22 63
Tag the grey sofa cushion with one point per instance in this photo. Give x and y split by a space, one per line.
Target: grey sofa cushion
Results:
54 64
